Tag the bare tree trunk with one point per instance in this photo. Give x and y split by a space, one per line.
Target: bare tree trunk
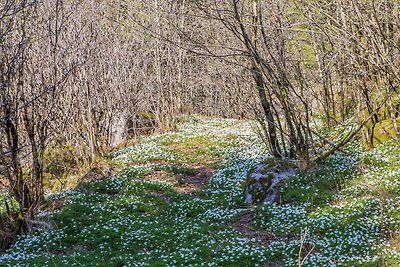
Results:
273 139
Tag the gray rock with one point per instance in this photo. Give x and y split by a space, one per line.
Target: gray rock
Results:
263 180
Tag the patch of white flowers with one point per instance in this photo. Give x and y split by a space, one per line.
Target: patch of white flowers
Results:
122 219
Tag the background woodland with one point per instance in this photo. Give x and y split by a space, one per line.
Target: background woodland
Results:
79 78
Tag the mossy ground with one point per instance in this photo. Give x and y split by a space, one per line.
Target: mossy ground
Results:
346 212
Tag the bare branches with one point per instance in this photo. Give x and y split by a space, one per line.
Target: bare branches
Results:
81 74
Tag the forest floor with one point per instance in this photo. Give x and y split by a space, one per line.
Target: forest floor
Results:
178 200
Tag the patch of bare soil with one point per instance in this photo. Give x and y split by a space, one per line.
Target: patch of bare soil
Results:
244 226
161 176
184 182
100 171
195 182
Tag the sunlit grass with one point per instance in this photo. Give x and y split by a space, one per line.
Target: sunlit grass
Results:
346 212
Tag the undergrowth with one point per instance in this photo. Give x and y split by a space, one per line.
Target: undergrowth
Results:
344 213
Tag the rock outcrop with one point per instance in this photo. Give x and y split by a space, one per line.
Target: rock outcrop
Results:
263 180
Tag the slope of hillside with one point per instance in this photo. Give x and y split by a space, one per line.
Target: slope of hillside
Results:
178 201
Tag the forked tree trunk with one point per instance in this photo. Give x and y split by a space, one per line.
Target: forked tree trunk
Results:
272 136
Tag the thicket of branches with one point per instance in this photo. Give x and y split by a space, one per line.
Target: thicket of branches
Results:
82 75
313 60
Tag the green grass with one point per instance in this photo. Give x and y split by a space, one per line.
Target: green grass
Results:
129 220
